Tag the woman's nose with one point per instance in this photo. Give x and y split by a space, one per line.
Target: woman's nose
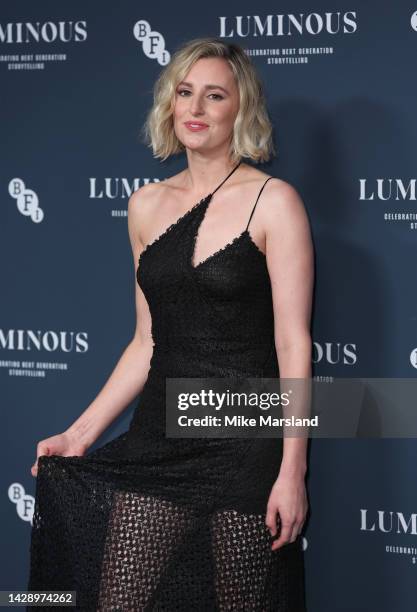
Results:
197 106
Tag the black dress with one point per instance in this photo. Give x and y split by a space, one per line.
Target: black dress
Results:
153 523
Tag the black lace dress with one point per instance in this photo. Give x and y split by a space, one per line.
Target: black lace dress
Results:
153 523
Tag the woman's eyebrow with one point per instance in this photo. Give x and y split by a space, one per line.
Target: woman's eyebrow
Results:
210 86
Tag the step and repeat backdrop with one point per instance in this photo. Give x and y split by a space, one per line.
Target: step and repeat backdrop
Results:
76 82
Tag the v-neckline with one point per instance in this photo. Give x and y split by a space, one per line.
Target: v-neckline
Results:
229 245
191 256
220 250
205 200
173 225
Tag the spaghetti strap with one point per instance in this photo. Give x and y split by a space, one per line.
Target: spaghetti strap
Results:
253 209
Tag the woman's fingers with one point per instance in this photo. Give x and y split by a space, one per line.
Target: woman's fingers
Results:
287 528
41 449
284 536
295 532
271 519
289 533
34 469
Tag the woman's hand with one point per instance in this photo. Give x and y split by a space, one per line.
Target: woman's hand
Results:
62 444
287 504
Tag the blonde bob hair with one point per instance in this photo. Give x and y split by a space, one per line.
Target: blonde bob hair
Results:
252 131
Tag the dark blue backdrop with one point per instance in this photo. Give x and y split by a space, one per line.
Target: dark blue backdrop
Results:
76 84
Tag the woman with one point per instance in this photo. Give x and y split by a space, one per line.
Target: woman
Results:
148 522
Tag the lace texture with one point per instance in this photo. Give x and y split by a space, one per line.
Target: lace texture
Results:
149 523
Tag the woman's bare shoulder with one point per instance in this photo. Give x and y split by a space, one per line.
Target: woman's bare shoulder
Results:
254 175
150 193
140 208
282 203
276 186
284 208
142 197
143 200
148 200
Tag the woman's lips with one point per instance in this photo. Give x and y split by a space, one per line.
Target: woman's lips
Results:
195 127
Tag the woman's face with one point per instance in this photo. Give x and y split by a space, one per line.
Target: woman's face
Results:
205 107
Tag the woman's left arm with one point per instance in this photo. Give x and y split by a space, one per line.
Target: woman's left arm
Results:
290 260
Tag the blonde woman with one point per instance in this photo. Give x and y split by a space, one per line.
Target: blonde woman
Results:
223 260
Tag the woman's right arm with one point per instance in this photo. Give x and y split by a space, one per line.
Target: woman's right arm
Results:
131 371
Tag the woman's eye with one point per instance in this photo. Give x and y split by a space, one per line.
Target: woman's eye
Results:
186 91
